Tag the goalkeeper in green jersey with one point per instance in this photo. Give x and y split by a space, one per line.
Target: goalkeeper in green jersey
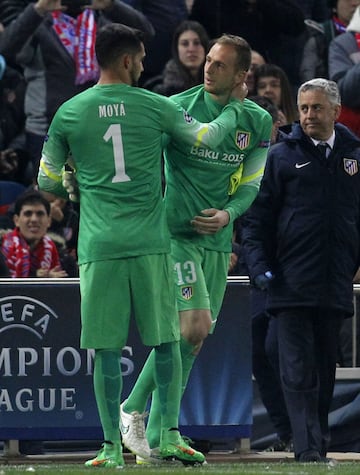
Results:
112 133
206 189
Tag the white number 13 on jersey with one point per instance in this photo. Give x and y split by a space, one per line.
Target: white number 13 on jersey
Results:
114 133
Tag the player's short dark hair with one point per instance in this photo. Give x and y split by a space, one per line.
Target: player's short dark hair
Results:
113 40
32 197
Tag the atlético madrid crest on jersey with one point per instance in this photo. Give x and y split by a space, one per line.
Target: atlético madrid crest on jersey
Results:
350 166
187 292
242 139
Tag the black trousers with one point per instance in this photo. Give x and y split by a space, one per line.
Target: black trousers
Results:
265 365
308 342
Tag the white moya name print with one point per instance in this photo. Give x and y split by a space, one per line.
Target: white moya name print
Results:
112 110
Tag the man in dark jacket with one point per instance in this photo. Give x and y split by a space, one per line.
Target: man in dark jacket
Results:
302 241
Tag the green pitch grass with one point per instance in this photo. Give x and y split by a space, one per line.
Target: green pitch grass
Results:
342 468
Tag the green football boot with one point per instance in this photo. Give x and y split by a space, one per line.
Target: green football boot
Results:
109 456
173 447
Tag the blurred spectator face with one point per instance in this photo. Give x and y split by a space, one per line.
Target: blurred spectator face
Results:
190 50
275 129
74 7
345 9
256 60
270 87
9 162
33 222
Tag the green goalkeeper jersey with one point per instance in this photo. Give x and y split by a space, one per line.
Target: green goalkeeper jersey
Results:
226 176
111 134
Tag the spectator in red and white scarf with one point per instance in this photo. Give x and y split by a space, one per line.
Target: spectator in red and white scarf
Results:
52 42
28 251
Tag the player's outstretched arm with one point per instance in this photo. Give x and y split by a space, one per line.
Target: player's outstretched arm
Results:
184 128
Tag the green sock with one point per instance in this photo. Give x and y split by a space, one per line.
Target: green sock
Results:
144 386
168 383
153 429
107 388
187 360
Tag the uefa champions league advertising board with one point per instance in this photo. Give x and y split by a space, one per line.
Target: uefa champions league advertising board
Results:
46 389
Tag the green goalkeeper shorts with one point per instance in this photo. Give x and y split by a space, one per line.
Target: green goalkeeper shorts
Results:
201 277
113 290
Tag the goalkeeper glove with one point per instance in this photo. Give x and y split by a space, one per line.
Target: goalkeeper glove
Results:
70 184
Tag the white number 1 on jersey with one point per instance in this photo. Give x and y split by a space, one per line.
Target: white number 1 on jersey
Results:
114 133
